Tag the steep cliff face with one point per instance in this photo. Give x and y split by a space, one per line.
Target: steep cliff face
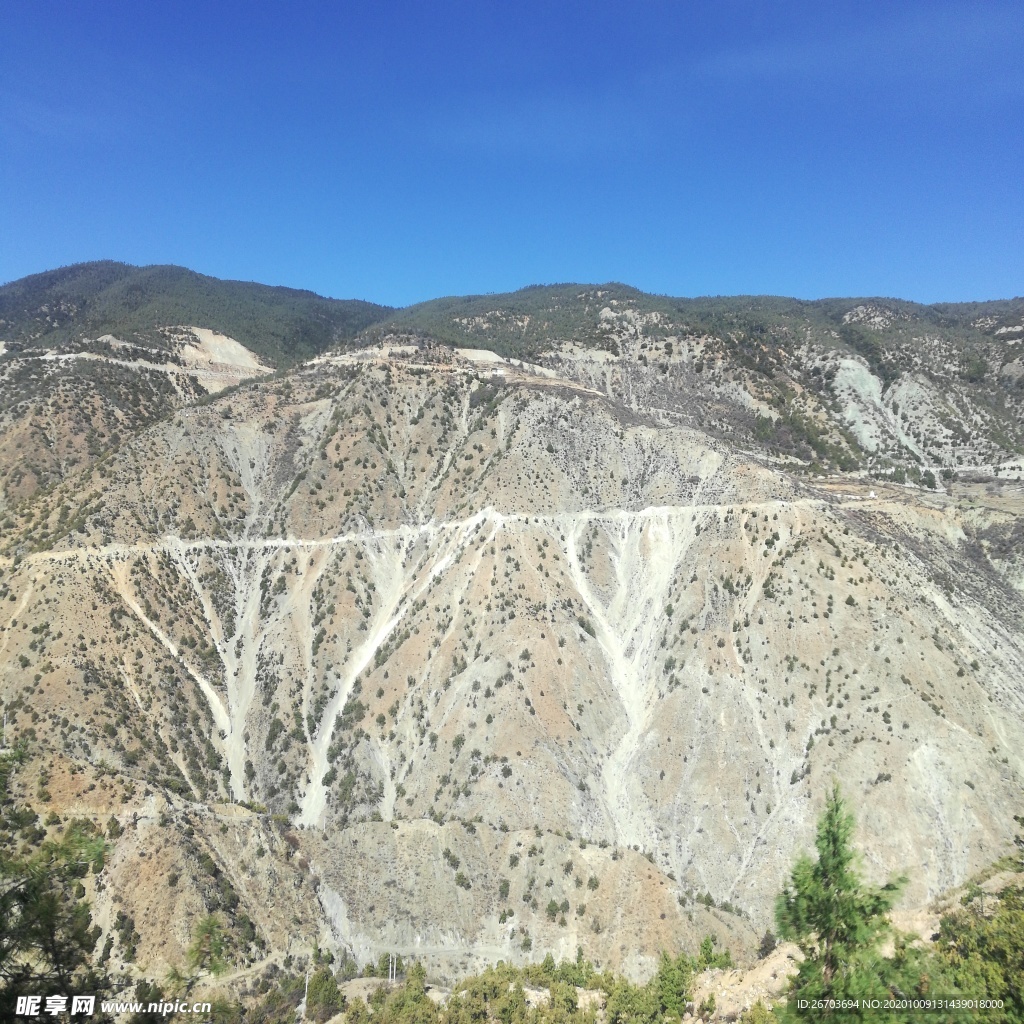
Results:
468 658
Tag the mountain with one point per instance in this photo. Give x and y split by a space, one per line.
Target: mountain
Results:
869 384
281 325
97 351
510 624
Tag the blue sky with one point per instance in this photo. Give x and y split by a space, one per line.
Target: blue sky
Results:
401 151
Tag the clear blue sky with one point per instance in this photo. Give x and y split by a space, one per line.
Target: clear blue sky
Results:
398 151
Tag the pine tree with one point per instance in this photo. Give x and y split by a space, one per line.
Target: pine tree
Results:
838 922
674 982
207 949
46 933
323 1000
835 920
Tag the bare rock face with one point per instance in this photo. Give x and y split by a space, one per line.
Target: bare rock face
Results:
473 658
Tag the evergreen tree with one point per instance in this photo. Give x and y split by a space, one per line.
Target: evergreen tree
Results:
409 1003
835 920
674 982
147 992
985 951
46 933
838 923
207 949
323 1000
632 1004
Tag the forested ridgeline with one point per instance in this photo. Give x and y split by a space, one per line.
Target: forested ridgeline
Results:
281 325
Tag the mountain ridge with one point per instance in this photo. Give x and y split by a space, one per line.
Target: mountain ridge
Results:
279 323
455 637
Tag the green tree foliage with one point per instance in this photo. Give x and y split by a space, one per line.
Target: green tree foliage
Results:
207 949
46 933
347 968
667 994
708 959
280 1005
497 995
409 1003
147 992
632 1004
283 325
383 965
564 1000
839 923
323 1000
758 1014
836 921
674 983
868 344
985 951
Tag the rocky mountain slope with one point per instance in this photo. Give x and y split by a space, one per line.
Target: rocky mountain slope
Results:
96 351
872 384
416 647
